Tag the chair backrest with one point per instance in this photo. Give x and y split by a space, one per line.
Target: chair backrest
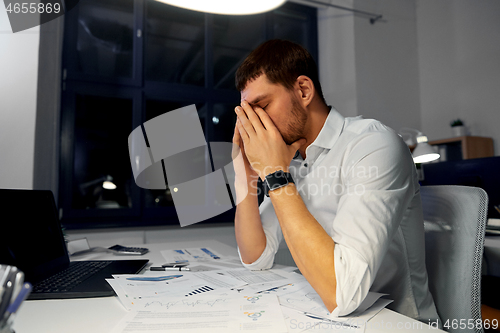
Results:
455 220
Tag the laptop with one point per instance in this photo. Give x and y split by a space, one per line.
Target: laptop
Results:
31 239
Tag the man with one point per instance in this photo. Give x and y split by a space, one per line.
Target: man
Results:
349 210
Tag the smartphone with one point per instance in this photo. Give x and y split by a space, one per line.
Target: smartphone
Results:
118 249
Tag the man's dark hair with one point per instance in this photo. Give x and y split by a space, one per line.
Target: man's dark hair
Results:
282 61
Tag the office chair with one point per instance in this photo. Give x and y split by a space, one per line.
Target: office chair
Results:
454 221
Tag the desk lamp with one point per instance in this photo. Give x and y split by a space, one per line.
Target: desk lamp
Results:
227 7
94 191
107 183
423 152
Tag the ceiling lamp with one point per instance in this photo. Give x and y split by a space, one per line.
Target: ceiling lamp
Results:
227 7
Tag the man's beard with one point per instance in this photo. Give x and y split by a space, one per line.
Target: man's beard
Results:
297 123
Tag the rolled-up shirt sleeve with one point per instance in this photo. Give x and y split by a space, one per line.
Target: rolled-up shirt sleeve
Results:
378 190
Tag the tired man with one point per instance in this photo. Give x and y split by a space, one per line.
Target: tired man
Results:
343 192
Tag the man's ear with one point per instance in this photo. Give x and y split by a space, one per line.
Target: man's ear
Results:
305 88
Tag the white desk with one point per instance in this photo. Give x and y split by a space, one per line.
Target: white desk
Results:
492 255
100 315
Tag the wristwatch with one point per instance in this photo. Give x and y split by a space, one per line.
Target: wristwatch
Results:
274 181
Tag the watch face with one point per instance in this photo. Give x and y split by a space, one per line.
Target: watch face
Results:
276 180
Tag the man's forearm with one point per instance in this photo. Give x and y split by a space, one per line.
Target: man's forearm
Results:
248 226
311 247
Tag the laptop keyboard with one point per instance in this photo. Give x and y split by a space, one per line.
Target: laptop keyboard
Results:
69 278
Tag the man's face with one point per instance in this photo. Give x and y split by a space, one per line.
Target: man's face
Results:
282 106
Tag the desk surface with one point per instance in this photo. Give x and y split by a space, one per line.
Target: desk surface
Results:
491 264
98 315
492 241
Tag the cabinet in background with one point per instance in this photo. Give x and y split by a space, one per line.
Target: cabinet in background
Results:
464 148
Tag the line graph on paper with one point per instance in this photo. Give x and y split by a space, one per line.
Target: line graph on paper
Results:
185 303
307 298
301 296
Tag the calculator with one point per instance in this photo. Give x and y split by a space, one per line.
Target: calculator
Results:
119 249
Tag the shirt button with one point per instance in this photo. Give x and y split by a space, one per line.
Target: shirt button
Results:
305 165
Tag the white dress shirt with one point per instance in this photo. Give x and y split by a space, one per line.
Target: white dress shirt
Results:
360 183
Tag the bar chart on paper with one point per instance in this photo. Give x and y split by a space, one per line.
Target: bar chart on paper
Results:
200 290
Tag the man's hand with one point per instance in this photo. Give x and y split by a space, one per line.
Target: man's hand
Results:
248 225
311 247
241 164
264 146
246 177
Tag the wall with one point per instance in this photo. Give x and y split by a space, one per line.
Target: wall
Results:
387 79
18 84
337 58
459 60
371 69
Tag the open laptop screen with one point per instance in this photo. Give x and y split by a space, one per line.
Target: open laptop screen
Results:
31 236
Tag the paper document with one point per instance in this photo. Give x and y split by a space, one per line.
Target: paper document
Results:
135 293
202 259
297 321
372 310
274 286
259 277
208 314
226 263
369 300
301 296
202 254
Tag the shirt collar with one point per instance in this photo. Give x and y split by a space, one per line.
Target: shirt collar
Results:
330 131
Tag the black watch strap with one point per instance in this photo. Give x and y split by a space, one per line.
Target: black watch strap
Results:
277 180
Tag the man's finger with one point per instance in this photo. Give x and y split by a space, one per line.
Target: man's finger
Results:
265 119
245 123
236 134
297 144
243 133
252 116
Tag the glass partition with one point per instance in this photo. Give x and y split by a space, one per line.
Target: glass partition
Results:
105 38
102 177
175 44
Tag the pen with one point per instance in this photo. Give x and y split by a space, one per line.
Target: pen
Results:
181 268
16 303
8 288
175 264
274 288
18 285
344 324
154 278
4 275
21 296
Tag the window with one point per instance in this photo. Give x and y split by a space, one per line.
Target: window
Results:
128 61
